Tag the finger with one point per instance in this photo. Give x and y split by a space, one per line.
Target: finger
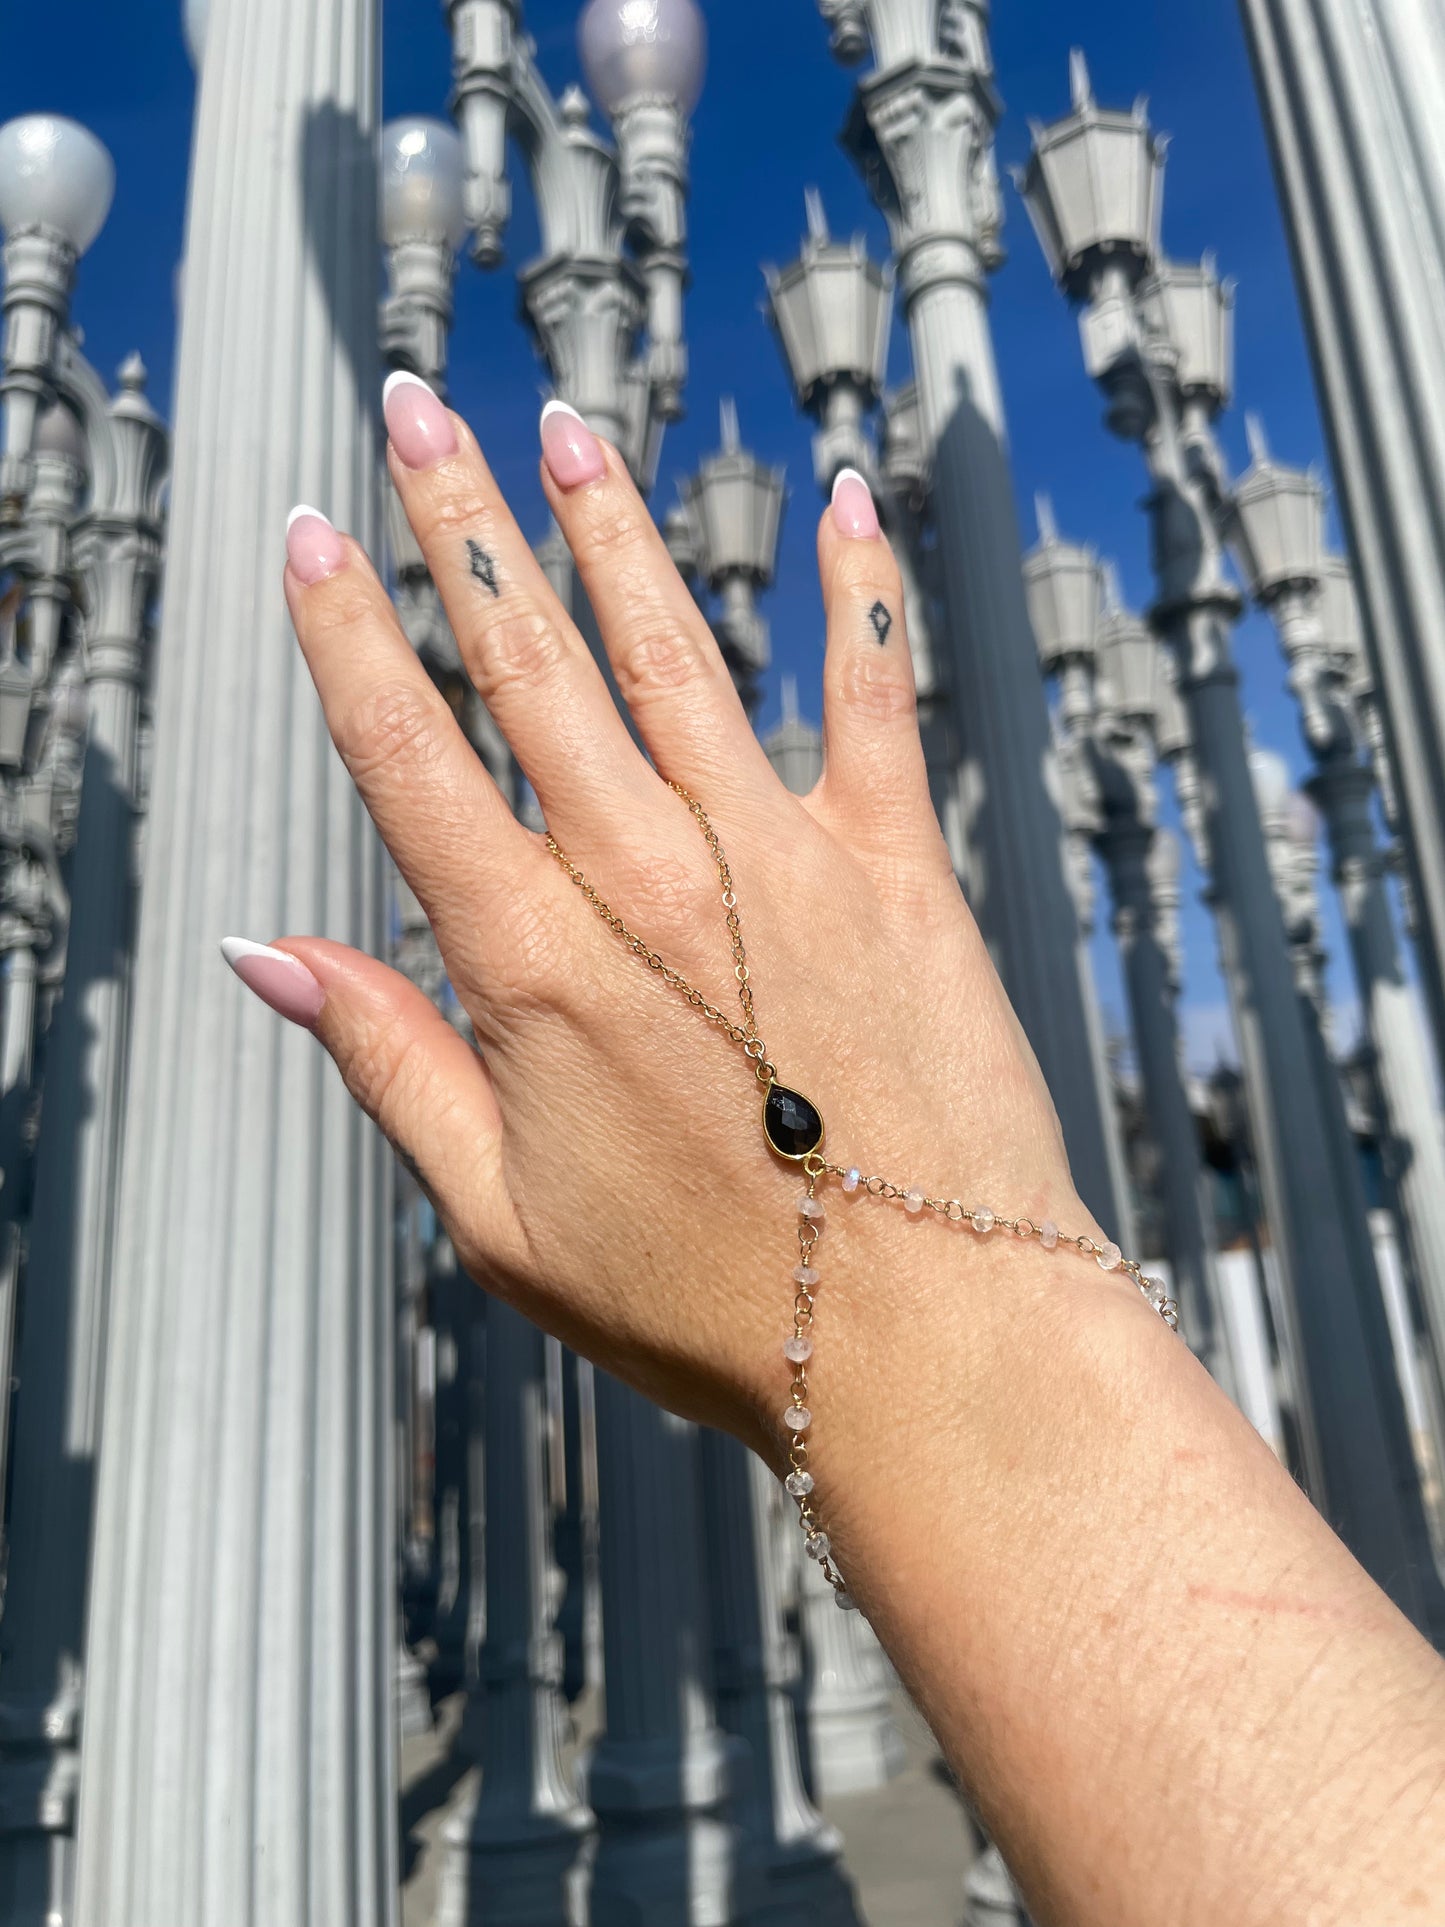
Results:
438 811
873 767
669 669
521 649
415 1076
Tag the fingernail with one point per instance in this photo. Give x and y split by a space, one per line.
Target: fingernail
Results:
421 429
278 979
571 451
313 548
853 510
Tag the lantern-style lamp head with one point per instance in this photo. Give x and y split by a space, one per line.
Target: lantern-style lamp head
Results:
1064 587
1130 668
832 310
1194 310
422 174
1094 189
1269 773
1280 514
58 433
643 49
54 174
736 505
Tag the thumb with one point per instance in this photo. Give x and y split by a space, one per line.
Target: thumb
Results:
408 1069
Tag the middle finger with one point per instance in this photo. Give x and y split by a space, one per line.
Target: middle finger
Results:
522 651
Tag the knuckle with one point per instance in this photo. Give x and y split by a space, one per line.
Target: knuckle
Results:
449 517
344 602
607 528
877 686
659 654
529 947
519 648
864 572
387 1075
395 725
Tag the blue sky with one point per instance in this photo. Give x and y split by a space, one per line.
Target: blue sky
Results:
766 128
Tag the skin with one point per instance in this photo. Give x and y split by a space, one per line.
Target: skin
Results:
1170 1691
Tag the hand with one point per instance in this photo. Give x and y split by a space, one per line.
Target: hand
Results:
601 1163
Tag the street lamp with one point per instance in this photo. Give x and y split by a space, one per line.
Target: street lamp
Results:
832 311
423 223
735 507
56 186
1158 345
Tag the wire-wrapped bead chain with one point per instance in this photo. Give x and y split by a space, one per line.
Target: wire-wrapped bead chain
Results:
793 1129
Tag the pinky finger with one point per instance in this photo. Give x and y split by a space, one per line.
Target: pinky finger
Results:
415 1076
873 769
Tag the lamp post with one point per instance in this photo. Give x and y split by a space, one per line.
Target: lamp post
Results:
246 1502
1348 95
1093 191
734 506
1107 667
113 546
1279 515
611 269
921 131
56 184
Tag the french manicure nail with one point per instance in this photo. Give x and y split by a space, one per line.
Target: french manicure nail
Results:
571 451
277 978
313 548
853 510
421 429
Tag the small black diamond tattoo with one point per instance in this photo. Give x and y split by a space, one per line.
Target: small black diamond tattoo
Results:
483 567
881 620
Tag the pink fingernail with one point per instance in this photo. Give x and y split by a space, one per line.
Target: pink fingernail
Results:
571 451
278 979
853 510
313 548
421 429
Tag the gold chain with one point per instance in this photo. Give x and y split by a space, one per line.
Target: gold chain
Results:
745 1033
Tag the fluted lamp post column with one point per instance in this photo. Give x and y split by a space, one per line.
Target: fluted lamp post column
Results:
1350 96
238 1751
1280 515
1093 191
921 132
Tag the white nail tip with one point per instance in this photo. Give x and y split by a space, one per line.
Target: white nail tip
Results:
847 475
399 379
555 407
236 949
305 508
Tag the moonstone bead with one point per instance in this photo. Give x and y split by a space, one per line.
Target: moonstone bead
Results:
798 1350
1111 1257
805 1275
844 1600
983 1220
800 1484
797 1418
819 1545
1156 1292
811 1209
913 1202
1048 1234
852 1178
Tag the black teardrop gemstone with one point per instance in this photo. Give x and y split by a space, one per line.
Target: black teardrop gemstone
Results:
790 1123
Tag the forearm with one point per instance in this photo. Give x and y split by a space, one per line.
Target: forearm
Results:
1171 1692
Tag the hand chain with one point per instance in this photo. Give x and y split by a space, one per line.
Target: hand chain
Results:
786 1129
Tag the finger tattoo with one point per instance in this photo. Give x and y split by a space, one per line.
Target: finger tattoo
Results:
483 566
881 620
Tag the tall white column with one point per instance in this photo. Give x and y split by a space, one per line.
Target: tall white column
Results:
923 135
1351 93
853 1741
238 1757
